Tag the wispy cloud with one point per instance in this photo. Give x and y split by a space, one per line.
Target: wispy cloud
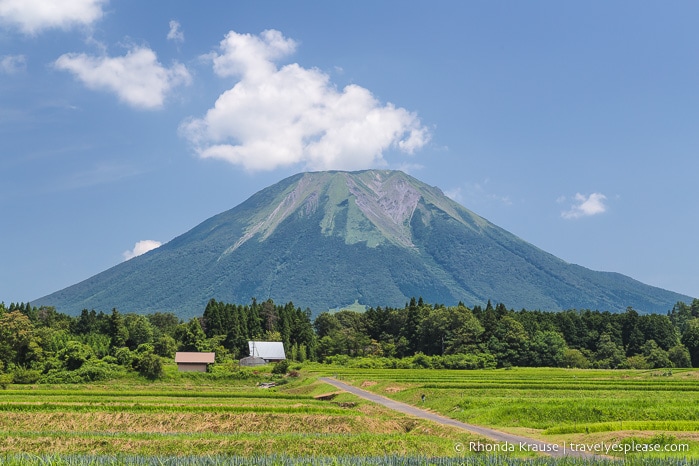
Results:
102 173
454 194
35 16
275 117
141 248
175 34
477 192
585 206
137 78
13 64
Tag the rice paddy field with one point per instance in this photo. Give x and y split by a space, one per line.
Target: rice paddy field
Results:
636 413
200 419
206 417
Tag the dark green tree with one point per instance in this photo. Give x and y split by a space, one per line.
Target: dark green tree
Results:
18 345
659 328
510 342
655 356
139 329
547 349
690 339
609 354
118 332
679 356
191 336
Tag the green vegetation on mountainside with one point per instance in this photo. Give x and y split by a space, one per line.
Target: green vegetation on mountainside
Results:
327 239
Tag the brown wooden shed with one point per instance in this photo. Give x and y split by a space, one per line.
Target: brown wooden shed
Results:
194 362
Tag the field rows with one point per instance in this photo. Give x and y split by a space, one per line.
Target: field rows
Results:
285 460
554 405
219 420
215 418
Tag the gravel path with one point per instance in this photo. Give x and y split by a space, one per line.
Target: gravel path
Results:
518 442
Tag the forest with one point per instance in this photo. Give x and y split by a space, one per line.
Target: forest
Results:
41 345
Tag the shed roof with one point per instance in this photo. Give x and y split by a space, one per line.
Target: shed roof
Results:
252 361
267 349
195 358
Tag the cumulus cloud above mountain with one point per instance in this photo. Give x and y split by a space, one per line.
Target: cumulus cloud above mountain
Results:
281 116
137 78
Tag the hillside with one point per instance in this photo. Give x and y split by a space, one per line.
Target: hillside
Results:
328 239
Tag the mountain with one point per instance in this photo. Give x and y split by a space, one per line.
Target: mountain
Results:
329 239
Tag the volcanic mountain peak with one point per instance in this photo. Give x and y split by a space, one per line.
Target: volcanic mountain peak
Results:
373 206
328 239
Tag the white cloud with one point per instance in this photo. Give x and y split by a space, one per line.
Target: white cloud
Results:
34 16
137 78
478 193
275 117
140 248
175 34
454 194
585 206
12 64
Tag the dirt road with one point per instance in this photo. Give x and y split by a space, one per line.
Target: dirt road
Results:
519 442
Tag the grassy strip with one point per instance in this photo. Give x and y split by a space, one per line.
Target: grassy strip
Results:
245 445
20 424
283 460
159 408
668 426
251 392
560 386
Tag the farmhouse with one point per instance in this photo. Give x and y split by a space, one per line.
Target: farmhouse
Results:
270 351
194 362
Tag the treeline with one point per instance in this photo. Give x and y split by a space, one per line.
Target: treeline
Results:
43 345
494 336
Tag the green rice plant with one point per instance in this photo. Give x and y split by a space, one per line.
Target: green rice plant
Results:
667 426
282 460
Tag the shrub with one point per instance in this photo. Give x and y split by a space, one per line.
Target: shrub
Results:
25 376
422 361
110 360
95 370
464 361
574 358
165 346
337 359
75 354
680 357
150 366
60 376
281 367
124 356
637 362
5 380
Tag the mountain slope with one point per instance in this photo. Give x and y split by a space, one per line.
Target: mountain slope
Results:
328 239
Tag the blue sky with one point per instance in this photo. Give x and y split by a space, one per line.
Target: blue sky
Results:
126 123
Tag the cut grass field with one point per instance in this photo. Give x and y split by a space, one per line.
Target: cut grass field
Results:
218 420
209 417
555 405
